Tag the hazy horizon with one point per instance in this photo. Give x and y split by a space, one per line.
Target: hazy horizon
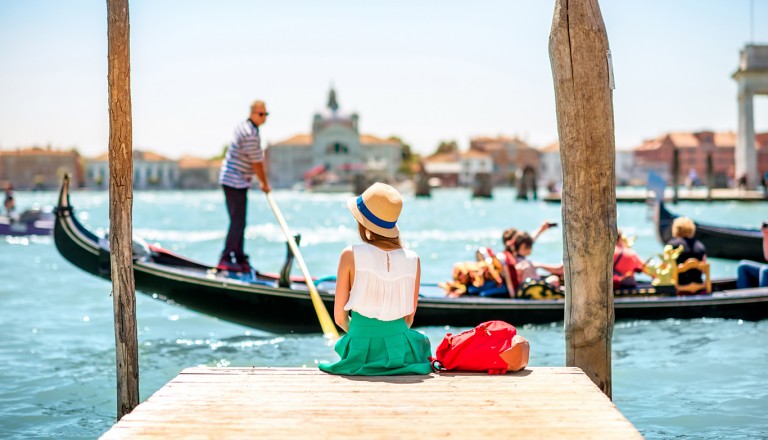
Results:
426 72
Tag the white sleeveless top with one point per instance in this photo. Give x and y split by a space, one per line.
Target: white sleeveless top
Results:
379 293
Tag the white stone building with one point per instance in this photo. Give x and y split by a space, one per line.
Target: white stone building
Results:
550 168
474 162
335 146
150 171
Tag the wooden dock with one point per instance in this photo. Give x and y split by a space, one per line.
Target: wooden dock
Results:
280 403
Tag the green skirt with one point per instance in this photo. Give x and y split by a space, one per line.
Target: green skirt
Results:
380 348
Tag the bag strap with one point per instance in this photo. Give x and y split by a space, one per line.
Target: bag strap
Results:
616 259
436 365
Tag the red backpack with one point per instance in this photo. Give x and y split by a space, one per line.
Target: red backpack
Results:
492 346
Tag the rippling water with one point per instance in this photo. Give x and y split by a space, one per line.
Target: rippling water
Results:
701 378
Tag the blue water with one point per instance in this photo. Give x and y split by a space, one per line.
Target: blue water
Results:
703 378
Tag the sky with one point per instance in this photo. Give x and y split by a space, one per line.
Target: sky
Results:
426 71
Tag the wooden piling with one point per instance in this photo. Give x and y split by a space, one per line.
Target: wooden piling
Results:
710 176
120 205
675 175
580 58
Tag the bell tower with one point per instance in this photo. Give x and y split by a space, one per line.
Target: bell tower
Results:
752 78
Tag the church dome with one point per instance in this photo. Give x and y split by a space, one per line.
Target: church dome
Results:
331 116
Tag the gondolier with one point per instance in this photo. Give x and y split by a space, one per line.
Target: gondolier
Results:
243 161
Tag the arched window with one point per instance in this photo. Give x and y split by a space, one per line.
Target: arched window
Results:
336 148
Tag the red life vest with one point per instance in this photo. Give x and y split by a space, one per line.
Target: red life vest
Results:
492 346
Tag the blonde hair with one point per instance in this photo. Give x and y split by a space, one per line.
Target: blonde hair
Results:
683 227
377 240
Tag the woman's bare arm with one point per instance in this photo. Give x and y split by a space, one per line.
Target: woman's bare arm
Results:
344 280
409 318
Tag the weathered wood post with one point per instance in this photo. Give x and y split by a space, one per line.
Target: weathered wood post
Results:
582 73
120 205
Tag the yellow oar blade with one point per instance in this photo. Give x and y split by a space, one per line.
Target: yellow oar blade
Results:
326 323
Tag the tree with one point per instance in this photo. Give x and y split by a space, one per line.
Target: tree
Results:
447 147
409 159
223 153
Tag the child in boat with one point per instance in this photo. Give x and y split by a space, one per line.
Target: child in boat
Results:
377 292
527 269
509 256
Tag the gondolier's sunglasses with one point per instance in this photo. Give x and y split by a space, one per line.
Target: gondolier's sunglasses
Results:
263 114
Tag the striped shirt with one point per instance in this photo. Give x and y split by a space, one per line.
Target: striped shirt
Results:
243 152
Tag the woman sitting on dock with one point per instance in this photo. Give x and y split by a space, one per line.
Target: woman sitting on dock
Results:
377 291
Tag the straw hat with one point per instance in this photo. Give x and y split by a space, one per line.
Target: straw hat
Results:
377 209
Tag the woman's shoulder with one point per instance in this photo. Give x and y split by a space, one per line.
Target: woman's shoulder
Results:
410 253
347 254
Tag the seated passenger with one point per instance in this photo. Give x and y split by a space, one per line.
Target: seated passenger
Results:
509 254
528 269
683 231
626 263
752 273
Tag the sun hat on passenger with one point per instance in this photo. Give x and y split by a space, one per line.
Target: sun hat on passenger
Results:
377 209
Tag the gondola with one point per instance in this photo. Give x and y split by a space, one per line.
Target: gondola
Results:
30 222
282 304
721 241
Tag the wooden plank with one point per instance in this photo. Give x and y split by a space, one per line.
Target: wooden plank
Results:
234 403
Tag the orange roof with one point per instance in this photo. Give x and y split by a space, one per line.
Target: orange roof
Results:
103 157
149 156
370 139
684 139
474 153
551 148
188 162
299 139
725 139
146 156
499 142
36 151
499 138
651 144
441 157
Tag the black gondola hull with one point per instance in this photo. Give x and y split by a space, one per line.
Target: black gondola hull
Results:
264 305
721 242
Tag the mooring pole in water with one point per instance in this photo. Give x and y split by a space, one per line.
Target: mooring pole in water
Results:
710 176
583 78
120 205
675 174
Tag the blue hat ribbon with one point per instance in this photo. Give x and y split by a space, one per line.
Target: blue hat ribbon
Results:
371 217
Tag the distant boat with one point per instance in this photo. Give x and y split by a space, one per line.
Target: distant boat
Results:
726 242
721 241
30 222
265 303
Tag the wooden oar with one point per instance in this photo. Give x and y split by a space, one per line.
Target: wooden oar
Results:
329 328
